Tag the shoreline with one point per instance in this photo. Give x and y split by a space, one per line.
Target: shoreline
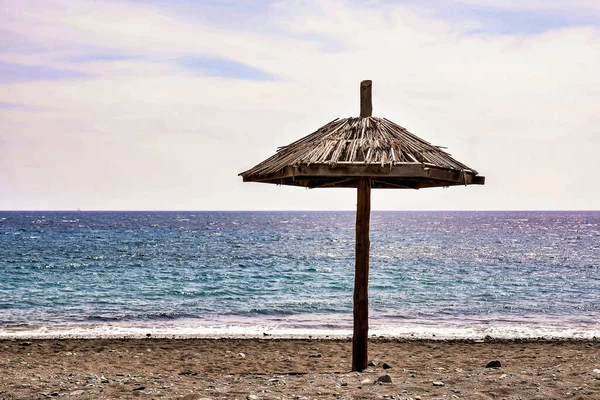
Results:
274 368
257 329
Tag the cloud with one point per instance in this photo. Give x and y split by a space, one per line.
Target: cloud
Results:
10 105
171 102
10 72
224 68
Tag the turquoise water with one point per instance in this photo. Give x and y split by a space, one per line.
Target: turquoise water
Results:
457 274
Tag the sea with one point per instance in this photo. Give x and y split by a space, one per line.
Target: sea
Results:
433 275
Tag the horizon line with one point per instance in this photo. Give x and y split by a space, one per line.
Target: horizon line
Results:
299 210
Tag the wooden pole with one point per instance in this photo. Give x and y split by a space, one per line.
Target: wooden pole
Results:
366 104
361 277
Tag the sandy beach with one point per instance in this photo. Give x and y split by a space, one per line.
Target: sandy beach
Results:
195 369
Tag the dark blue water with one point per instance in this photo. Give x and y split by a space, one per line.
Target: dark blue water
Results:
215 273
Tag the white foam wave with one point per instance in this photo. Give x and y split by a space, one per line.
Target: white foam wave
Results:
298 327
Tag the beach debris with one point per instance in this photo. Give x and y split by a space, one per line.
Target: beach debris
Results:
493 364
438 383
242 355
315 355
275 381
365 381
252 397
148 335
478 341
385 379
386 366
373 363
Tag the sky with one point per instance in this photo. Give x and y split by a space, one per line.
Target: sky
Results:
159 105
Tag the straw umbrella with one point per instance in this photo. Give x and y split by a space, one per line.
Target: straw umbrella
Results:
363 153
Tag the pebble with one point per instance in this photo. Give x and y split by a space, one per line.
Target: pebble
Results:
252 397
386 366
373 363
195 396
438 383
385 379
188 372
243 355
493 364
77 392
316 355
365 381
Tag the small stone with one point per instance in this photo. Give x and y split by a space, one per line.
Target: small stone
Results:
188 372
242 355
252 397
139 388
315 355
438 383
493 364
596 371
25 344
195 396
77 392
148 335
344 384
365 381
385 379
373 363
386 366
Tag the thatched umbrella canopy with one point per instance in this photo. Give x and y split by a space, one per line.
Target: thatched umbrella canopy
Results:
364 153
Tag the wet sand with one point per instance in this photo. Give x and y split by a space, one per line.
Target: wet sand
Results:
195 369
